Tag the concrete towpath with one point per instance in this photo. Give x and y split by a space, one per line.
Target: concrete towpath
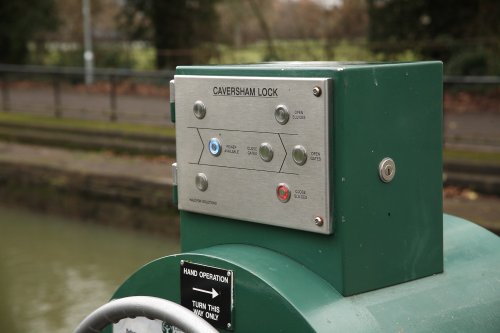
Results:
154 170
476 131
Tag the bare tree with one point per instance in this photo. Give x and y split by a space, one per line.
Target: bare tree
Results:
257 6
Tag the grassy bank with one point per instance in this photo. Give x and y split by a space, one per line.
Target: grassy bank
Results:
80 124
479 157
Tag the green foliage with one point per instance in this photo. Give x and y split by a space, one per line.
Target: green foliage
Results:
141 56
69 57
436 29
471 156
20 22
137 55
473 62
308 50
93 125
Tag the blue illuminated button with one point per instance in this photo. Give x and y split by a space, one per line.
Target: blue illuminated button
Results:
214 147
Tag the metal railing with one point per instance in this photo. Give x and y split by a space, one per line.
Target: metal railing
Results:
476 80
55 77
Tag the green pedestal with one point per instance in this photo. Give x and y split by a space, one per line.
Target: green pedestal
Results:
274 293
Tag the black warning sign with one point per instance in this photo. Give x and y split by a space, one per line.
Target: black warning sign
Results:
208 292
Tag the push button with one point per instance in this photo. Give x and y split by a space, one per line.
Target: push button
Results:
214 147
283 192
281 114
201 182
266 152
199 109
299 155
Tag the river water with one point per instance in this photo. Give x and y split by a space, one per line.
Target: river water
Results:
54 271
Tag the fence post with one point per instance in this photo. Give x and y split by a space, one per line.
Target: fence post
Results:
57 96
112 98
5 93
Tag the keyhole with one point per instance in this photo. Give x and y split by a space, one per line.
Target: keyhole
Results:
386 170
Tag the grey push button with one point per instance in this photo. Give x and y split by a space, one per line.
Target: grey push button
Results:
201 181
281 114
199 109
266 152
299 155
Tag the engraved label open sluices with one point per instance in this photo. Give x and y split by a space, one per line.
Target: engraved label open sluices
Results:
256 133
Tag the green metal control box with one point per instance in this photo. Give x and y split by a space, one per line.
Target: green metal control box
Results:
310 201
335 165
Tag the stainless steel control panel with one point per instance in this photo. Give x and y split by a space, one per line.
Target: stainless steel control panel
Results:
255 149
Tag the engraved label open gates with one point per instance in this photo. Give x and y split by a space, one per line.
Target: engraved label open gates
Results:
208 292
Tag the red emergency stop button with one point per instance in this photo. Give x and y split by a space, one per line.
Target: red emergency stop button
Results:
283 192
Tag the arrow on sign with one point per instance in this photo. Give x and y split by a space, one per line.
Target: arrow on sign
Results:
213 292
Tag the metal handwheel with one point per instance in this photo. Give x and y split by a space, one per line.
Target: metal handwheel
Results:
144 306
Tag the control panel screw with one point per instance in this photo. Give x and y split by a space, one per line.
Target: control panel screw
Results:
318 221
317 91
229 325
182 262
228 273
